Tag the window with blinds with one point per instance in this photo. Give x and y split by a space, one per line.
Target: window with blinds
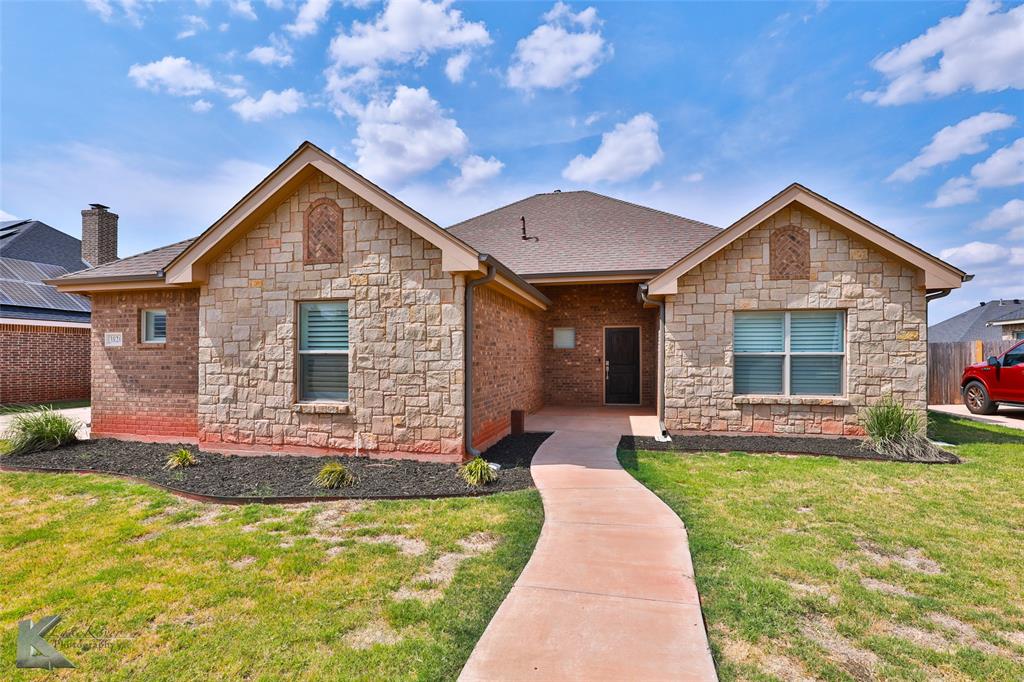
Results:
323 351
154 326
789 353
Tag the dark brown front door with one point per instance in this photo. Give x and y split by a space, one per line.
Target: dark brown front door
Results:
622 365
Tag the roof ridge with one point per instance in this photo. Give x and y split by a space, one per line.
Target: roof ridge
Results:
495 210
136 255
648 208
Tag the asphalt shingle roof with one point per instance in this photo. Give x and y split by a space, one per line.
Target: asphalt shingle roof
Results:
970 325
36 241
30 253
581 232
147 263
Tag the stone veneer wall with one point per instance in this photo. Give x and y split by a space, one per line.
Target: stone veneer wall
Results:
508 367
886 351
406 338
145 389
576 376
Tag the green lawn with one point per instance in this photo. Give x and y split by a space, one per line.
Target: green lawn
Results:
819 568
153 587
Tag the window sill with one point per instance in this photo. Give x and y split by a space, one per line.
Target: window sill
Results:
835 400
320 408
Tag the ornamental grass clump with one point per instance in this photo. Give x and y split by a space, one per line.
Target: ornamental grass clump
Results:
477 472
181 458
42 430
899 433
334 475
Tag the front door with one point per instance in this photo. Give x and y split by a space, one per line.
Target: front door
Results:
622 365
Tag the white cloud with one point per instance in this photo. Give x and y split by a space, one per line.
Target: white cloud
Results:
555 55
975 254
1010 213
981 50
173 75
242 8
310 16
952 142
201 106
693 177
223 27
455 67
1016 234
474 170
593 118
1004 168
193 25
405 30
408 135
4 215
274 4
277 53
630 150
270 105
129 10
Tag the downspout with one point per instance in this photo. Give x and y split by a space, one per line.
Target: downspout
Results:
645 298
468 359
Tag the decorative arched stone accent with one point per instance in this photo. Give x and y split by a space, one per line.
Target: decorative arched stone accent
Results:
322 230
789 251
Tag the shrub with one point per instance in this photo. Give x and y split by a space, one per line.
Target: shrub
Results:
898 433
334 475
42 430
477 472
181 458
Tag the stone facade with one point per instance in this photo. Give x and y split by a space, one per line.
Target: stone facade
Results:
886 344
43 363
406 321
576 376
145 389
508 367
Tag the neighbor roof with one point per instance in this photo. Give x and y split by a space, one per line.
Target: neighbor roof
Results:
33 252
145 265
35 241
582 232
973 324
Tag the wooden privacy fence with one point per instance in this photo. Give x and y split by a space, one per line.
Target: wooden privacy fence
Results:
946 362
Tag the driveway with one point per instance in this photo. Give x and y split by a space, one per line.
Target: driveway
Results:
81 414
609 592
1012 417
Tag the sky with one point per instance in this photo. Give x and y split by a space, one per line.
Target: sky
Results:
911 114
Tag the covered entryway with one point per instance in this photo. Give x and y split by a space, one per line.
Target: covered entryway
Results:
622 365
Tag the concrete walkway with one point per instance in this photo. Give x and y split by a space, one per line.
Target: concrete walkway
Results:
1012 417
83 415
609 592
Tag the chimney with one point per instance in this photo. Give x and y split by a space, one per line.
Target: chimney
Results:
99 235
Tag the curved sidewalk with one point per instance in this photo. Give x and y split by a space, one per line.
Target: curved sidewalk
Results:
609 592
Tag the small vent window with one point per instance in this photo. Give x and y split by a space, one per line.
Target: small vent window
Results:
565 337
154 326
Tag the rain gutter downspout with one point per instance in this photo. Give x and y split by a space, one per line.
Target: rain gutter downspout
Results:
492 271
645 298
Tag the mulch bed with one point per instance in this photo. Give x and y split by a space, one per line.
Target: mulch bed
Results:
848 448
282 478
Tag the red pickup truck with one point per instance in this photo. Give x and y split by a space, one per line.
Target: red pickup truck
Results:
986 385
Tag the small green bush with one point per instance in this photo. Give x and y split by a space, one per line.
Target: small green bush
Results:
41 430
334 475
477 472
898 433
181 458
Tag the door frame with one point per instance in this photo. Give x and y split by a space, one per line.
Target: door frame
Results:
640 364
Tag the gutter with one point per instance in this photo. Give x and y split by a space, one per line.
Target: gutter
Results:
492 271
643 295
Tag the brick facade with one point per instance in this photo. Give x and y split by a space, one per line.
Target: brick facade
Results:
406 320
43 363
576 376
886 343
508 342
145 389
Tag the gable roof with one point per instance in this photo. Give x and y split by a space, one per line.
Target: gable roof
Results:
34 240
582 232
31 253
938 273
1015 316
148 265
189 266
975 324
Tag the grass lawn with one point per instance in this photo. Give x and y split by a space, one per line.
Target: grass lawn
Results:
153 587
820 568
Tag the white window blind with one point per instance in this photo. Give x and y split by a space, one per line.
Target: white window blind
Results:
323 351
789 353
154 326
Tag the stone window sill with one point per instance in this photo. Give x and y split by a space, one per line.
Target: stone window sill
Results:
320 408
834 400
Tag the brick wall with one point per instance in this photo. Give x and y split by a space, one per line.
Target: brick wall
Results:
405 334
576 376
886 349
145 389
43 363
508 364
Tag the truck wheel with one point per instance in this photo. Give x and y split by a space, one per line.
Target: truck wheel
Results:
977 400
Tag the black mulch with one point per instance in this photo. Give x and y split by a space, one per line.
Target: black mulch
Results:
850 448
256 477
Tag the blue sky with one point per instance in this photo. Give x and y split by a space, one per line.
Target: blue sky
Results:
910 114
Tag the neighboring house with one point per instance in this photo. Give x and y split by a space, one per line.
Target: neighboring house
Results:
988 321
322 314
44 333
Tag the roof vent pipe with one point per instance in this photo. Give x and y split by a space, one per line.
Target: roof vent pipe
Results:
468 359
